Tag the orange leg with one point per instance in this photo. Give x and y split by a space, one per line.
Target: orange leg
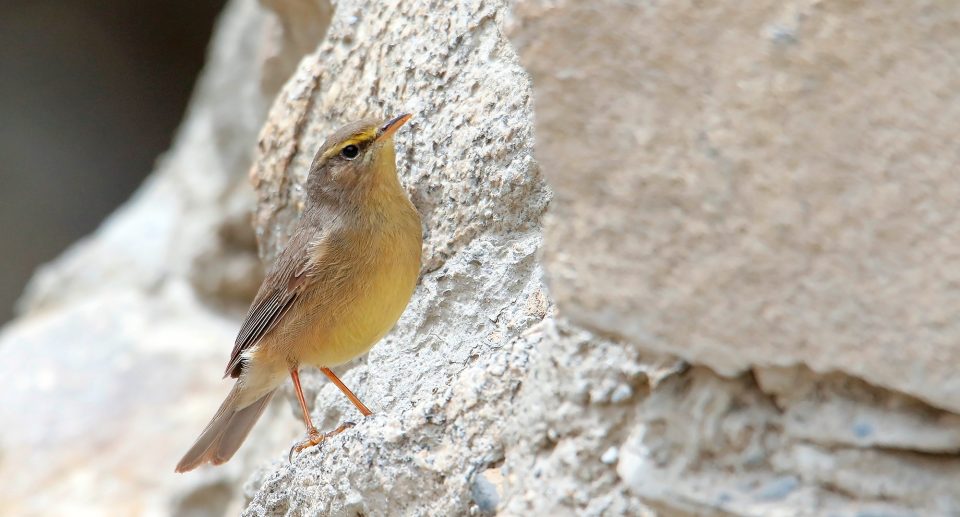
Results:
313 436
307 421
346 391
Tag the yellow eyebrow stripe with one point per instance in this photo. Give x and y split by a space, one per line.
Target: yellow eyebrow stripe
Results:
357 139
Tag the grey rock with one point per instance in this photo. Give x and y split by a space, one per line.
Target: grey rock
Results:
749 248
837 410
751 190
557 435
778 488
441 383
484 494
739 203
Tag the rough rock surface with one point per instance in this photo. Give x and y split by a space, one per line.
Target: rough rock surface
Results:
764 192
769 190
781 179
442 383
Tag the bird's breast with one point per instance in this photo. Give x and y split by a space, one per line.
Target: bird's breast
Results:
360 296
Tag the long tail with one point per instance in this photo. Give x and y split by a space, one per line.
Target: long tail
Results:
225 432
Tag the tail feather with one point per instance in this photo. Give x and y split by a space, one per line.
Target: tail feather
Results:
225 432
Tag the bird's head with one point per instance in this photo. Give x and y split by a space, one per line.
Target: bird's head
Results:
355 160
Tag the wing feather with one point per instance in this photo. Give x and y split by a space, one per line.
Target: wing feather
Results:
278 293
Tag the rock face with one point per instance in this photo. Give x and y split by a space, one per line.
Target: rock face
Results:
749 247
766 191
782 182
442 382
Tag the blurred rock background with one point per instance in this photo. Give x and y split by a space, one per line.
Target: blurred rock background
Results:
737 297
90 94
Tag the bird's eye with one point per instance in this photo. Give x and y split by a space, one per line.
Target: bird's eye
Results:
350 152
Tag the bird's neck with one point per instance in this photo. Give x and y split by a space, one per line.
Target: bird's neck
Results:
384 194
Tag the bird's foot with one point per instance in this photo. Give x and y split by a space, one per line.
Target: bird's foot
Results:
315 437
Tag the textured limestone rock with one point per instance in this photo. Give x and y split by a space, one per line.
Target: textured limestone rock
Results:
764 189
573 413
441 384
772 185
606 430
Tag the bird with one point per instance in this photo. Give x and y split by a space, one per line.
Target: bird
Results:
338 286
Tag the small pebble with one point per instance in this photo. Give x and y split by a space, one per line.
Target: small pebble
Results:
621 393
485 494
777 489
610 456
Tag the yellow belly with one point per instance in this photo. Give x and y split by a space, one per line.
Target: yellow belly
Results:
355 299
361 279
376 302
346 312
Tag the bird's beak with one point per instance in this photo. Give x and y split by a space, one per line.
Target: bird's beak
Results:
387 130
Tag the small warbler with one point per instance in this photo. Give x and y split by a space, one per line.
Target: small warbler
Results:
342 281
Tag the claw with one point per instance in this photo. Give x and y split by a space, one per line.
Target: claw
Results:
314 437
343 427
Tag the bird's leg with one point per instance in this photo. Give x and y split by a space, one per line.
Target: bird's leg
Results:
346 391
314 437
